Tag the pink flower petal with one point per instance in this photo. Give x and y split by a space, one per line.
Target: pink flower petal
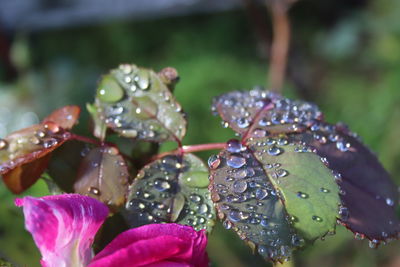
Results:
156 245
63 227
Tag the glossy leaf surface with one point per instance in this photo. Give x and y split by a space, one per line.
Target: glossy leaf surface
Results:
25 146
64 164
103 175
136 103
368 194
308 188
65 117
249 204
240 109
171 189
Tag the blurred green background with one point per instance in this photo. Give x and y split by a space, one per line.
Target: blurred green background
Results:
345 56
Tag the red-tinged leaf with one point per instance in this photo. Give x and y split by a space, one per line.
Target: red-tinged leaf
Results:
103 175
64 164
26 146
65 117
367 192
23 176
266 110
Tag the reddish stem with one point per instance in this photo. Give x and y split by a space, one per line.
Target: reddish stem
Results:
266 107
86 139
191 149
280 43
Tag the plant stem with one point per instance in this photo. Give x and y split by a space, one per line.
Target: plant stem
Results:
280 43
267 106
191 149
86 139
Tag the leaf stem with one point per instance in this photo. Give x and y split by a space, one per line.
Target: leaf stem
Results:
86 139
191 149
280 43
267 106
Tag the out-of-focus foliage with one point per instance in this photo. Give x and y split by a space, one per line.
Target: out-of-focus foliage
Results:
348 65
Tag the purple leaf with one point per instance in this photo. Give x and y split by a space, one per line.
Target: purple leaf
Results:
367 192
244 110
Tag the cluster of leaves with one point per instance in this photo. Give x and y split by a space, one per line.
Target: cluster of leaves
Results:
286 183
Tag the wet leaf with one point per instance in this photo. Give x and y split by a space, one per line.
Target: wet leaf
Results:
64 164
136 103
171 189
249 204
367 192
26 146
65 117
240 109
23 176
307 186
103 175
99 128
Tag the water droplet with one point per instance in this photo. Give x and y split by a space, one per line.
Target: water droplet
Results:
234 146
359 236
324 190
297 241
259 133
52 127
344 213
94 190
203 208
239 186
225 124
342 146
282 173
316 218
302 195
40 134
213 162
3 144
373 243
236 161
261 193
50 143
243 123
112 151
195 198
274 150
227 224
161 185
389 202
34 140
240 174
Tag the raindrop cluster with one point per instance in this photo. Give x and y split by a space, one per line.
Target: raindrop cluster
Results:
136 103
171 189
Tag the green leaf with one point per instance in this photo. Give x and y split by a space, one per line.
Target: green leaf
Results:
307 186
103 175
99 128
248 203
171 189
273 197
4 263
136 103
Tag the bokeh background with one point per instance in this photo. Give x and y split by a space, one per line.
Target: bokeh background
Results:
345 56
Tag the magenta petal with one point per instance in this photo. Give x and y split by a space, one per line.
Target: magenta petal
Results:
63 227
157 245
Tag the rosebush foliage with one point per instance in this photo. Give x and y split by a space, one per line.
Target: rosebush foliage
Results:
287 182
